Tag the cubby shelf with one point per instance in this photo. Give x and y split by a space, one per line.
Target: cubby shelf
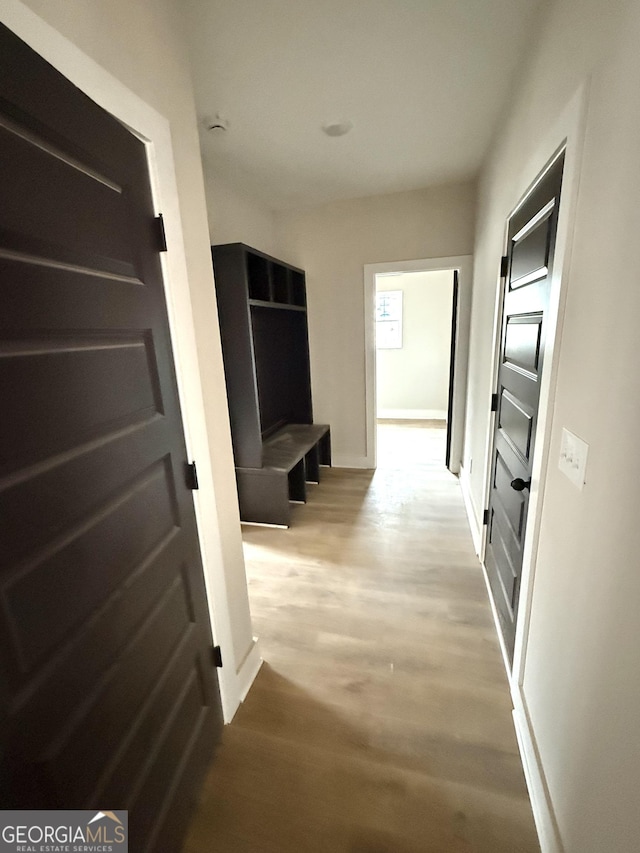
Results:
271 281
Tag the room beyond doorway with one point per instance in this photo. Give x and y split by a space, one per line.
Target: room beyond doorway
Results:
413 344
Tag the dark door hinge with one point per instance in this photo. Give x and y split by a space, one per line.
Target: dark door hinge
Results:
494 402
216 655
192 477
485 517
162 237
504 266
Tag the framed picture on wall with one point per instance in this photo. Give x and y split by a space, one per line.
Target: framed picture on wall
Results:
389 319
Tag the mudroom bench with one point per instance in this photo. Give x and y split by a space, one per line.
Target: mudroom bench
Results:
291 458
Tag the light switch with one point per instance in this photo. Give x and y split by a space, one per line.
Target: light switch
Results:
573 458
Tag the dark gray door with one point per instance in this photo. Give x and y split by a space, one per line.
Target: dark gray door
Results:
452 368
531 243
109 697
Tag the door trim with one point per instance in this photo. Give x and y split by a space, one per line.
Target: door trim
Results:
464 266
566 133
236 677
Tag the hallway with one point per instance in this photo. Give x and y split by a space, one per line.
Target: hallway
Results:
381 720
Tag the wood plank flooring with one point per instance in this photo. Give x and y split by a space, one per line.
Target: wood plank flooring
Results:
381 720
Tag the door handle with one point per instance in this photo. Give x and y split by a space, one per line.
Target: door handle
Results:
520 485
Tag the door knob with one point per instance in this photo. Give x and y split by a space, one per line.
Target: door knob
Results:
520 485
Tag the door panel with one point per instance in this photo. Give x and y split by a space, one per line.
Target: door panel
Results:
109 694
511 502
515 424
530 251
522 342
531 242
506 572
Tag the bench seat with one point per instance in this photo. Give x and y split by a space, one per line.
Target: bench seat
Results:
291 458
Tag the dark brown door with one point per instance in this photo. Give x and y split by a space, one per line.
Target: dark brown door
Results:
531 243
109 696
452 369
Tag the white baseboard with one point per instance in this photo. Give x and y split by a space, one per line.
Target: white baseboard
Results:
412 414
474 521
340 461
546 824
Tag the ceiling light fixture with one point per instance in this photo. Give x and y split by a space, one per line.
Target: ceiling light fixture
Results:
337 128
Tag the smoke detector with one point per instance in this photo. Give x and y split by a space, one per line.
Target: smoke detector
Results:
219 124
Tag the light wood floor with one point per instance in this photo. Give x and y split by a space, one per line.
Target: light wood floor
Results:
381 720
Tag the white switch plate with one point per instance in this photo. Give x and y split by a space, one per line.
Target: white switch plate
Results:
573 458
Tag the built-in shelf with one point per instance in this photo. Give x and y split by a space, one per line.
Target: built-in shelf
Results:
263 322
272 281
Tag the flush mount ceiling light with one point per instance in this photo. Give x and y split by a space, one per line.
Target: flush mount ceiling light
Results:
337 128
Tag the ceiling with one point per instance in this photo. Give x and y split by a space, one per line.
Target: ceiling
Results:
423 82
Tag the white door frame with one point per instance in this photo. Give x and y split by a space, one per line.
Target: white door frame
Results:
464 265
150 126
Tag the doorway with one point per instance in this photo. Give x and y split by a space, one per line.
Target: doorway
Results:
413 353
441 396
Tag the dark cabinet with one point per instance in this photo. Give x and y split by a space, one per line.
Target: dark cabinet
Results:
263 323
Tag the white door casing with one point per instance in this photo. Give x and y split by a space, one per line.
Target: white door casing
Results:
464 265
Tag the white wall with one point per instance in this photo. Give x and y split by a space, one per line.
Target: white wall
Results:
236 218
413 382
332 243
141 55
580 674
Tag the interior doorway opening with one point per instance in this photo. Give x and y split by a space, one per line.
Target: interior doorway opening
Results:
416 331
415 315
